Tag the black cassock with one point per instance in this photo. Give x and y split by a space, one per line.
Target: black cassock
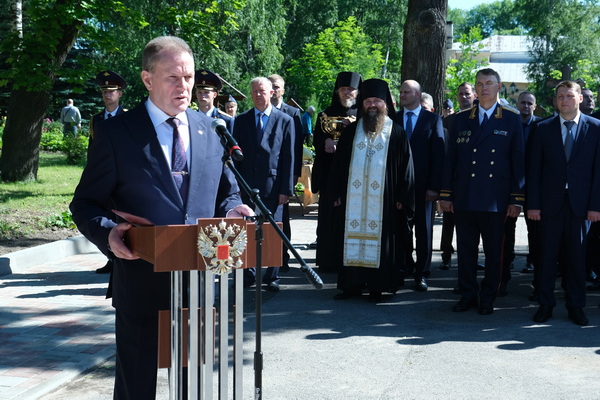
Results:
399 187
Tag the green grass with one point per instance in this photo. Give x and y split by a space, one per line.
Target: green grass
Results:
29 206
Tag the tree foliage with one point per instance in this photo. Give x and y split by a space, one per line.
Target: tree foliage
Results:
343 48
465 67
563 32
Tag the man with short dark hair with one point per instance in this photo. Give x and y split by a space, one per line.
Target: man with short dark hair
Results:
588 104
483 184
111 85
208 84
563 194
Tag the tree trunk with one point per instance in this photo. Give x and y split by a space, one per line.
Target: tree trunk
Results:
27 109
423 51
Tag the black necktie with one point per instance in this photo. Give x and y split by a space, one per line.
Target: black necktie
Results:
409 125
108 115
569 139
178 160
485 120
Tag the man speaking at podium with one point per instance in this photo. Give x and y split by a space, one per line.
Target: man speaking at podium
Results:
160 161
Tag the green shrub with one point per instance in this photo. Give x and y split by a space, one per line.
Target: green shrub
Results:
75 148
62 220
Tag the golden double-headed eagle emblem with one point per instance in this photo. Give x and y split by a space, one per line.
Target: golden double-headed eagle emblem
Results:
223 245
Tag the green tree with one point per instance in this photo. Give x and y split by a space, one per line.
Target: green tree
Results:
343 48
51 29
496 18
465 67
563 32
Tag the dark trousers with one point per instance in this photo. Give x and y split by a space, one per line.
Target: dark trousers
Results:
593 249
470 225
422 226
508 247
447 235
568 230
137 356
270 274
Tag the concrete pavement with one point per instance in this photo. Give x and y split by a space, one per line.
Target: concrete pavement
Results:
55 326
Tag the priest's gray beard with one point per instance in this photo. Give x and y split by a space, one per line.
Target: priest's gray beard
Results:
374 119
347 103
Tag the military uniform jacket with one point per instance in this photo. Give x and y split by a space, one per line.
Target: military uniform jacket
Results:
484 167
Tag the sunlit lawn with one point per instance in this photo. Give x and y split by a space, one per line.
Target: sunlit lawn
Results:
27 206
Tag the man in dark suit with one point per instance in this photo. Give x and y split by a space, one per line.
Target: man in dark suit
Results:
277 102
208 85
129 168
266 135
482 184
563 193
111 85
425 134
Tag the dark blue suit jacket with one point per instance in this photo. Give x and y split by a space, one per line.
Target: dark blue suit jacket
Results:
127 169
484 168
99 117
428 151
549 170
268 164
298 140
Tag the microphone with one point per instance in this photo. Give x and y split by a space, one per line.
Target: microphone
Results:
231 146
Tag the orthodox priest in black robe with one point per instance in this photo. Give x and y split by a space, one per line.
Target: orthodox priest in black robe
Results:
372 182
331 123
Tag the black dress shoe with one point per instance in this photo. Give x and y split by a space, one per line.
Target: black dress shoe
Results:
543 314
346 294
577 315
480 267
528 269
445 265
464 304
421 285
375 297
503 289
486 309
248 284
107 269
272 287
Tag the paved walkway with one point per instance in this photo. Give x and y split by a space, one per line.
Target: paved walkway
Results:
55 324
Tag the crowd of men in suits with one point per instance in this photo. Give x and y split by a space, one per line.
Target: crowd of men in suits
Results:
484 164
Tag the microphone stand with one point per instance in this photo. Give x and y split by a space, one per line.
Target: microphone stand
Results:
259 219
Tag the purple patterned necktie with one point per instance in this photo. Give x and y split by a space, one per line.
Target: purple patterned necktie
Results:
178 160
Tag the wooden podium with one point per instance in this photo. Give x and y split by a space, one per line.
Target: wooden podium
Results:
205 251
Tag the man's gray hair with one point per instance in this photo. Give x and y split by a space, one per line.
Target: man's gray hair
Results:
153 50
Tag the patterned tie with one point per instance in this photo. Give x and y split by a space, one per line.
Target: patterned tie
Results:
569 139
409 125
179 168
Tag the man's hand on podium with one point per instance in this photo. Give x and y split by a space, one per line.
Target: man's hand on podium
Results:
115 242
240 211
